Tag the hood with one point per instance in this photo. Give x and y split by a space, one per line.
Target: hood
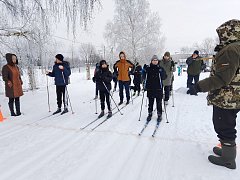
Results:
9 59
228 32
122 53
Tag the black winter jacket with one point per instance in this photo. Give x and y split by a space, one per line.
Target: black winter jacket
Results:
103 75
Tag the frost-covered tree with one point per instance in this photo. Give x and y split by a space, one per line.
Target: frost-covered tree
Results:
135 30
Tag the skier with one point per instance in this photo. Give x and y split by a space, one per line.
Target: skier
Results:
224 89
115 80
121 67
61 72
153 75
168 65
13 83
103 79
194 68
137 78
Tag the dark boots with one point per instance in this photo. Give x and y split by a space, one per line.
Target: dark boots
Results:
149 116
101 114
10 104
57 111
159 119
227 155
17 104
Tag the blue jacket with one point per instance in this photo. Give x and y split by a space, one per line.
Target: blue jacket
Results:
58 74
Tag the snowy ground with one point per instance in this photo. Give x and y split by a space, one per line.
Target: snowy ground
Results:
55 148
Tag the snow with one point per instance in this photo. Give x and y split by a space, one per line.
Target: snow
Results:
56 148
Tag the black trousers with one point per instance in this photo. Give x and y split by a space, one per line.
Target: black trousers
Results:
224 121
11 104
137 87
151 102
61 96
190 79
105 95
166 92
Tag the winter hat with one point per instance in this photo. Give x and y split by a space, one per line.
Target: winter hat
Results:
155 57
122 53
196 52
167 54
59 57
103 62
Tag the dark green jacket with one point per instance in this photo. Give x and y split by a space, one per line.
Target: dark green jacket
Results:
224 84
194 66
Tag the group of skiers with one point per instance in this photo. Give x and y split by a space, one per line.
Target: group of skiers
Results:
157 78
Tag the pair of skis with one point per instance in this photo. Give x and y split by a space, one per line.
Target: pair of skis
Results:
155 129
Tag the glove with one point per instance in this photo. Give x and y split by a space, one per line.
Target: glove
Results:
10 84
94 79
145 66
61 67
194 89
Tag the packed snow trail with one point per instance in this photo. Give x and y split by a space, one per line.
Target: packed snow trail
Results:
56 148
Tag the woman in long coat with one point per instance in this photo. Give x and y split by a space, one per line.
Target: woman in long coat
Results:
13 83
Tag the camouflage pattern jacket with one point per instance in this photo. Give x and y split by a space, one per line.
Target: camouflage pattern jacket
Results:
224 83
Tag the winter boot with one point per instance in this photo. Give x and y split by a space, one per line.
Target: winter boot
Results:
57 111
138 93
96 97
10 104
228 155
217 150
149 116
64 111
109 114
159 118
127 102
134 93
101 114
120 103
17 104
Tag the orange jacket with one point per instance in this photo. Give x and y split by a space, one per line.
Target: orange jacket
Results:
122 67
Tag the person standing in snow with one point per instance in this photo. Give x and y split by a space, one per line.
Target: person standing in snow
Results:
122 68
153 75
137 78
103 79
13 83
168 65
61 72
194 68
223 86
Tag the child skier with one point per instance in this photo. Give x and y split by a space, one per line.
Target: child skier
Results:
153 75
103 80
61 72
137 78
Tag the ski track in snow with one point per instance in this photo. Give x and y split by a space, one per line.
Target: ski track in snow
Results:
56 148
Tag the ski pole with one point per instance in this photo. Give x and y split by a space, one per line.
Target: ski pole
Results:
112 97
172 98
165 109
141 107
68 98
96 106
131 95
49 110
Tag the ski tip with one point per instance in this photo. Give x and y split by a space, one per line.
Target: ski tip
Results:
167 122
139 134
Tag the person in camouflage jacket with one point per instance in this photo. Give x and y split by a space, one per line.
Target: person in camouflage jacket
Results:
223 86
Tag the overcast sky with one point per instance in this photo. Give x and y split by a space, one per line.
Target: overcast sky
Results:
184 22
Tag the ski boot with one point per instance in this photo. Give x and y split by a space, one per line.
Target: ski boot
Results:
57 111
101 114
159 118
64 111
120 103
149 117
109 114
127 102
